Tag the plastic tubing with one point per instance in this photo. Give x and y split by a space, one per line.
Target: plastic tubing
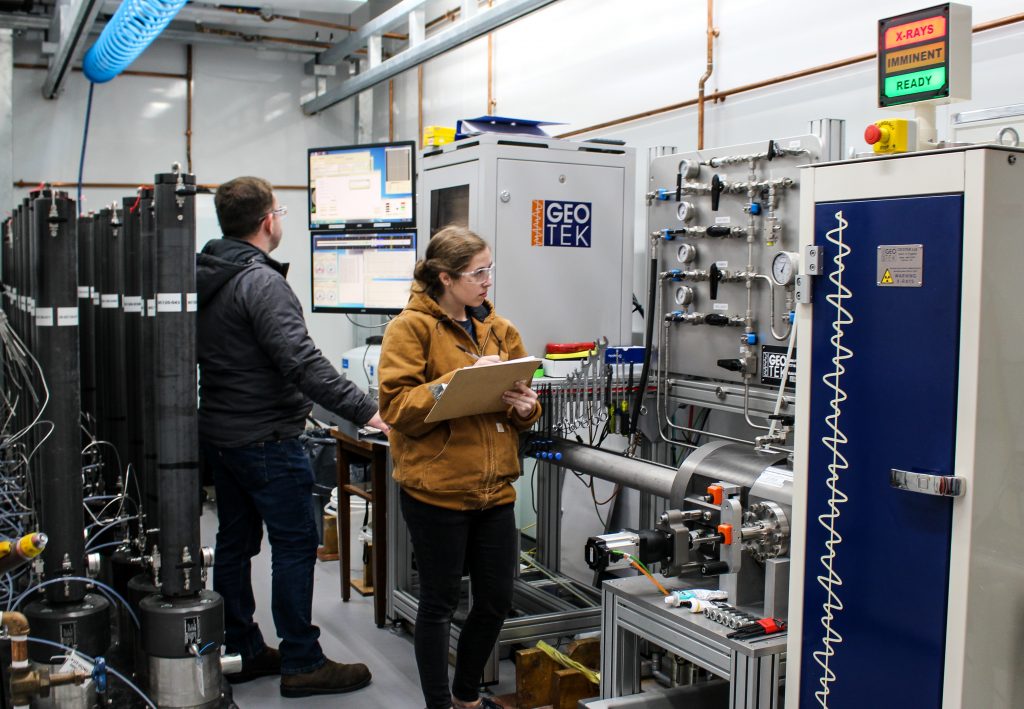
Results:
111 670
132 28
102 586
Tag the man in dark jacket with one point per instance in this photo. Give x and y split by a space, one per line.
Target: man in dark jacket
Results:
259 374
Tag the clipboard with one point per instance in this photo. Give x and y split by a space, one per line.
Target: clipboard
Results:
478 390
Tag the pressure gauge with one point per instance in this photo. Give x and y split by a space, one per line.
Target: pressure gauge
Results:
689 169
784 267
686 253
685 212
684 295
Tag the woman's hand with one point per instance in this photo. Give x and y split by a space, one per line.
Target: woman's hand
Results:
487 360
522 398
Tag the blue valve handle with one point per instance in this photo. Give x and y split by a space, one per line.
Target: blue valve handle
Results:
99 675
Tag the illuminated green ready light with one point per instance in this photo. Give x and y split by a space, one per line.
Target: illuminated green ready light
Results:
915 82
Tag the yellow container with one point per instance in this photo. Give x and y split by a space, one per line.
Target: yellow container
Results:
438 135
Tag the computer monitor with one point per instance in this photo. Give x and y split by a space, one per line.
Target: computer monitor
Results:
362 187
367 272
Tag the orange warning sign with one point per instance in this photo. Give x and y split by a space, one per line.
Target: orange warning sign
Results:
914 32
915 58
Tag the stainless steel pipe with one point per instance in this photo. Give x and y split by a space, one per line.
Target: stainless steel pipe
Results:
637 474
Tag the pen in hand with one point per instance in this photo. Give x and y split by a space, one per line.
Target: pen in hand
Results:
480 360
474 356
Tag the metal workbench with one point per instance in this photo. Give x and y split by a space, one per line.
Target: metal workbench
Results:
632 610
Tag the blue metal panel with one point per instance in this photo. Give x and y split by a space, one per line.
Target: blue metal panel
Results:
875 593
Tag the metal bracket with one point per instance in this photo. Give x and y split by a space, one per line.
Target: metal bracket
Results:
812 260
803 289
927 483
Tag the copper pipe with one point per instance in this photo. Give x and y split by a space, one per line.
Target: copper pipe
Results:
449 16
1001 22
150 74
255 11
246 37
722 95
391 110
712 33
419 105
333 26
18 628
188 106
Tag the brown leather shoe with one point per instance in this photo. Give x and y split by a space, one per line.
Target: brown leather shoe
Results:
331 678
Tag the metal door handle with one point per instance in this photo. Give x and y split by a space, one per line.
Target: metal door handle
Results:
927 484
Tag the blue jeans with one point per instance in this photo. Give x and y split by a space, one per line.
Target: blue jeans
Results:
446 542
269 482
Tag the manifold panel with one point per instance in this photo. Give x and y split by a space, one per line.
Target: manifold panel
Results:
721 220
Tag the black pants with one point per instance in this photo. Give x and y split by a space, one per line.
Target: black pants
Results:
445 542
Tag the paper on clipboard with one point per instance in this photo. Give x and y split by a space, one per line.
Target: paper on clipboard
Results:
478 390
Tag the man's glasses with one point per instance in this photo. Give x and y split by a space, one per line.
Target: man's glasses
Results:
279 212
480 275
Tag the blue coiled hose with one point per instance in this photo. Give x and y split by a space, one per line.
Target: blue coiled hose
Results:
132 28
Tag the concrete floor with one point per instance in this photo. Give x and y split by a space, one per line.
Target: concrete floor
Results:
347 634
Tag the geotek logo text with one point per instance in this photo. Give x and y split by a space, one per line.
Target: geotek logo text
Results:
556 223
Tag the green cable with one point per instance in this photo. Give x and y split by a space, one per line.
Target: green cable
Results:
632 558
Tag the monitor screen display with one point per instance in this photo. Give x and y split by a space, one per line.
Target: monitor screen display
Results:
362 273
362 187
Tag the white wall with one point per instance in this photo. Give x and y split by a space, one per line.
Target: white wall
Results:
246 120
578 61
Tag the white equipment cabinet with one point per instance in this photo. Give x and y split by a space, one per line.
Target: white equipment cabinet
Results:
559 217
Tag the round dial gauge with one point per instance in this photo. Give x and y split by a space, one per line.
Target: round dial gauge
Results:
686 253
784 267
685 212
684 295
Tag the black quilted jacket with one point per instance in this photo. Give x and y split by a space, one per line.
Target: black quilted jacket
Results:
259 370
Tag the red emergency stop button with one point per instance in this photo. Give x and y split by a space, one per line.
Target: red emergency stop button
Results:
874 134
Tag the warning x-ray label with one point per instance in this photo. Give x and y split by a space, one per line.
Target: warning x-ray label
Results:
900 265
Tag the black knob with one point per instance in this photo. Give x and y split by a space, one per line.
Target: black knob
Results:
714 276
714 568
718 231
716 191
773 150
733 365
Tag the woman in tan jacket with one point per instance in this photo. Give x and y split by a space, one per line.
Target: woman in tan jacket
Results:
456 476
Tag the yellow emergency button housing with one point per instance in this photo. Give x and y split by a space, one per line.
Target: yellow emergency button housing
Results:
894 135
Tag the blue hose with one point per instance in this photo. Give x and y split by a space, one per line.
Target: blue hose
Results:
132 28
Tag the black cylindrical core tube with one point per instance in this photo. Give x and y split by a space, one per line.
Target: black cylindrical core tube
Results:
147 248
32 290
132 308
87 322
111 312
101 262
60 459
175 404
7 264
